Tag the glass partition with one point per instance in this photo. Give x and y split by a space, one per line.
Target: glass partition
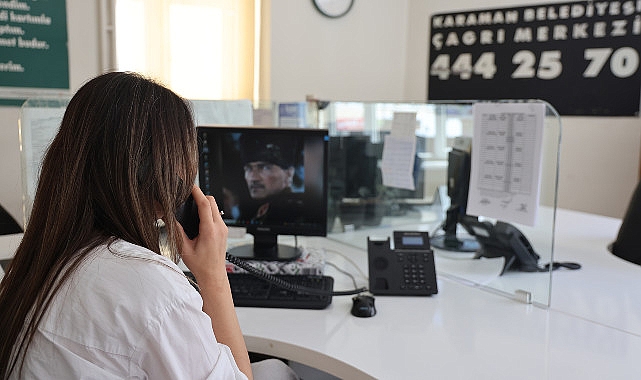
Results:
360 203
38 123
362 206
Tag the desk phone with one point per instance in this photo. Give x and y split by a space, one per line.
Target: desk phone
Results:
406 270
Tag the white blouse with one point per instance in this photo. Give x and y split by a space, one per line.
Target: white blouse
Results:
127 313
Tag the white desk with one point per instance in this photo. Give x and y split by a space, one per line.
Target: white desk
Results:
607 289
591 331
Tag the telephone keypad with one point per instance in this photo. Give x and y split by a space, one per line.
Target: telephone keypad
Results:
414 274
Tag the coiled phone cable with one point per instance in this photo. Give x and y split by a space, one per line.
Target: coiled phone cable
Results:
287 285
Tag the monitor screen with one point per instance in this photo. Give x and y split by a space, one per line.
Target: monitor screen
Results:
355 180
271 181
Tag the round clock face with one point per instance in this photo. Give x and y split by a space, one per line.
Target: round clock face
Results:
333 8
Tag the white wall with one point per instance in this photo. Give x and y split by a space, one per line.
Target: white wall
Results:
359 57
379 52
84 63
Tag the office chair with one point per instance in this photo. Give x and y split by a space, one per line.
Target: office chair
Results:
8 225
628 242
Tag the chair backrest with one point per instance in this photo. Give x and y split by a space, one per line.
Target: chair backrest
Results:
628 243
8 225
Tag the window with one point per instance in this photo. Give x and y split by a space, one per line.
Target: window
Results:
202 49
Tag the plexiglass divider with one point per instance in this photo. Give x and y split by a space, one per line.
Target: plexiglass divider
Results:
38 123
359 204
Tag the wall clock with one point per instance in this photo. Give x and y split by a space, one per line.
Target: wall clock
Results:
333 8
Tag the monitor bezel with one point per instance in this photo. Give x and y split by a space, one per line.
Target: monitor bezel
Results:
319 227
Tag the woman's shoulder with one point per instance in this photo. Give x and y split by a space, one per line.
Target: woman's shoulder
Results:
122 287
131 278
121 305
128 267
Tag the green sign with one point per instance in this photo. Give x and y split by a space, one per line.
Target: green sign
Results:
34 57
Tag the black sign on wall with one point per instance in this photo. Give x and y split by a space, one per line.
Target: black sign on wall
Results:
582 57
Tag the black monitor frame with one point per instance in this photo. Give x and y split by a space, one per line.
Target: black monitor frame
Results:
355 180
458 184
220 174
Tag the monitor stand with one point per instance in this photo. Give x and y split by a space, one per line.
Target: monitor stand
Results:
266 248
455 244
449 241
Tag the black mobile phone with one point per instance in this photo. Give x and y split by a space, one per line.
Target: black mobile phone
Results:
187 216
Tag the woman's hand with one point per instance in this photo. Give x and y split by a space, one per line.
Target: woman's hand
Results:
205 258
205 254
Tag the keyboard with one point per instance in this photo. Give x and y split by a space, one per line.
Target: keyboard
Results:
251 291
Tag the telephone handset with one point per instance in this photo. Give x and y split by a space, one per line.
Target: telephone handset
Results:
505 240
187 216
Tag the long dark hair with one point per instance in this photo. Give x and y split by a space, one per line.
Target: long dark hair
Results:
124 156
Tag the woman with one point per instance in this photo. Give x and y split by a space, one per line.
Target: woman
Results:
88 292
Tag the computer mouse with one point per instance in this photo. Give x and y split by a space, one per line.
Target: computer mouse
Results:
363 306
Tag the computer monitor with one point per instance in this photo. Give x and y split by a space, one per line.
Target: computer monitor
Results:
355 180
458 184
271 181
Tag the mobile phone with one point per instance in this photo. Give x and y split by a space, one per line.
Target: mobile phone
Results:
187 216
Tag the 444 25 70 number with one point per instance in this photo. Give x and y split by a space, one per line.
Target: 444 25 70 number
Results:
622 63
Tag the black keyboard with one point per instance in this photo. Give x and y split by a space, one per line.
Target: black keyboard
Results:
251 291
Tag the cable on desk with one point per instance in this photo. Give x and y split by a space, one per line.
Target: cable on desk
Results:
346 273
286 285
565 264
363 275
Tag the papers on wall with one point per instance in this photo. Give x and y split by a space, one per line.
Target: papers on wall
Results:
399 149
292 115
505 177
38 127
